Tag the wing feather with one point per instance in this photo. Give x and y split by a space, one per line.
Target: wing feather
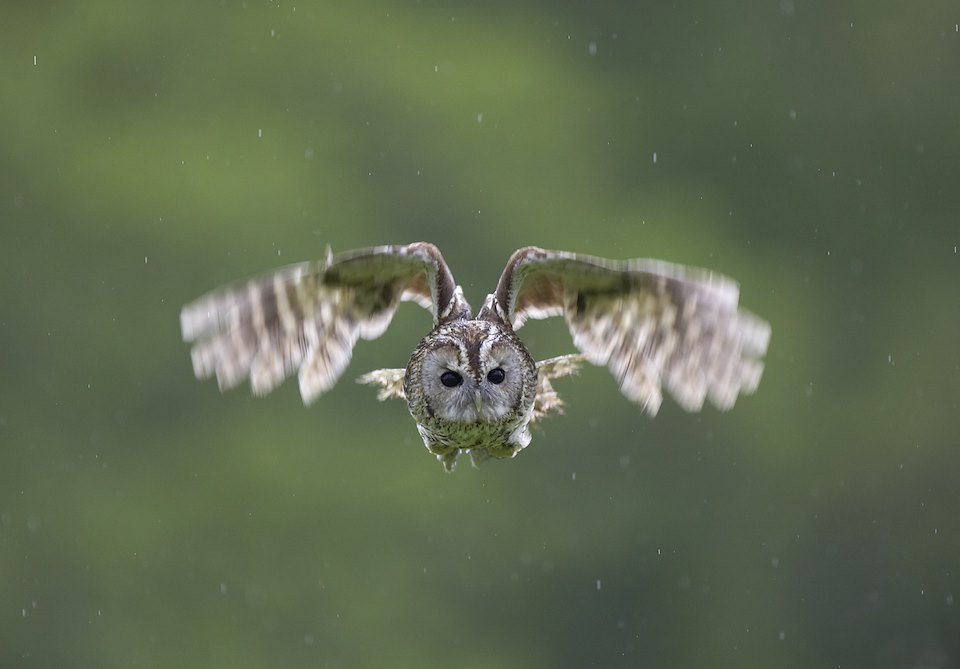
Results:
306 318
652 323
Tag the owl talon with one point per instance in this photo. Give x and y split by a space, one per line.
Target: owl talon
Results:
390 382
547 402
449 461
560 366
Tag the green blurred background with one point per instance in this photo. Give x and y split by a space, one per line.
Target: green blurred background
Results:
150 152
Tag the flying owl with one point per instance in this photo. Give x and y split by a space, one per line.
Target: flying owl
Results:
470 384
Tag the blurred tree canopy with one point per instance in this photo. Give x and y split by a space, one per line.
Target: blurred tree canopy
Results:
151 152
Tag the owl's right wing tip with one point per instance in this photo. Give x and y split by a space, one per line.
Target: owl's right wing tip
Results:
196 319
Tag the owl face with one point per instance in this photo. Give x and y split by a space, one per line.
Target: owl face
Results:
473 375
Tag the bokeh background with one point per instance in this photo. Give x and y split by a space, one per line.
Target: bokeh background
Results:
152 151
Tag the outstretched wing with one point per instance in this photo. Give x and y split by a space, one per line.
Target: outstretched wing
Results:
307 317
652 323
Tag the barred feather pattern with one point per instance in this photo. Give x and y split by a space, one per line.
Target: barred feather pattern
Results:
306 318
653 324
675 336
271 327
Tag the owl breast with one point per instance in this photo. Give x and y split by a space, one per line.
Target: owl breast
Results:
470 386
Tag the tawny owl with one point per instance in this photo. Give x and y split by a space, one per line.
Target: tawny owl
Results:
471 385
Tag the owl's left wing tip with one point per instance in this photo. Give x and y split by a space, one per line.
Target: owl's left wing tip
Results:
755 333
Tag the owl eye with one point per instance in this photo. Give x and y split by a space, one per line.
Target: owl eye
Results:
496 375
451 379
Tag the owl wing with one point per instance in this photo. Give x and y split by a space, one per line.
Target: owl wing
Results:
307 317
652 323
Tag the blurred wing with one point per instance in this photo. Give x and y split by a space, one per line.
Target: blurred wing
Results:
307 317
652 323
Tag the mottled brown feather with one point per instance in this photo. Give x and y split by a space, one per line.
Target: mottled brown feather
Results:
306 318
654 324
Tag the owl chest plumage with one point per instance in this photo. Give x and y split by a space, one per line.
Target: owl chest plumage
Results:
476 415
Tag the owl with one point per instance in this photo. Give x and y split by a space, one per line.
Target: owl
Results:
471 385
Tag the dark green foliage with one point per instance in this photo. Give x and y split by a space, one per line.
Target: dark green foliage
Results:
151 152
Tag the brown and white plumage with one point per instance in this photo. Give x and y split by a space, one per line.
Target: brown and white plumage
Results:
470 384
654 324
307 317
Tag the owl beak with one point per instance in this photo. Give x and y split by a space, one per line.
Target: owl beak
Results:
477 401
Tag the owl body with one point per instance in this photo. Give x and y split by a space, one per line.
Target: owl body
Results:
486 404
470 384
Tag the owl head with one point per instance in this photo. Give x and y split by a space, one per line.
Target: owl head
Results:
474 373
